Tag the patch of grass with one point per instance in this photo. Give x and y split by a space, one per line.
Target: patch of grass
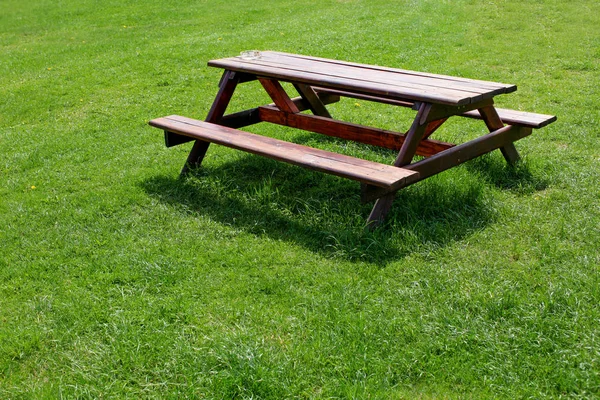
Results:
253 279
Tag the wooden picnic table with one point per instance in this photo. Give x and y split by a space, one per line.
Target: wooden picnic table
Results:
320 82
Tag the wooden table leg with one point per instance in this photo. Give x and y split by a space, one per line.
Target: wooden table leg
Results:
227 86
407 152
493 122
279 96
312 99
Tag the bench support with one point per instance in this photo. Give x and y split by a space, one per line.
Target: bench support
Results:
414 136
493 122
228 84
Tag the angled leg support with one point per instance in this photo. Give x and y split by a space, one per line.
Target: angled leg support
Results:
493 122
415 134
227 86
312 99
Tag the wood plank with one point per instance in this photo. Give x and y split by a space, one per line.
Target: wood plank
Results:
509 117
432 127
247 117
349 131
496 85
393 76
468 151
414 135
361 96
279 95
493 122
312 98
360 86
360 170
251 116
512 117
366 77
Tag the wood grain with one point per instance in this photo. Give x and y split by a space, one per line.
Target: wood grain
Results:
370 80
365 171
349 131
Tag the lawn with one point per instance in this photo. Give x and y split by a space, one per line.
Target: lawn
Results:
255 279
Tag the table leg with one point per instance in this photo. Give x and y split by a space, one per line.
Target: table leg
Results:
407 152
493 122
314 102
433 126
227 86
279 96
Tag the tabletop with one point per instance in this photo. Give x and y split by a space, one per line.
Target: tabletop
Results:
391 83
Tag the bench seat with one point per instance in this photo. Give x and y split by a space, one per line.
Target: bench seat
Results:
509 117
368 172
521 118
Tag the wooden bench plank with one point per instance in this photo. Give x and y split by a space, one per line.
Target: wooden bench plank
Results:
248 117
509 117
369 172
522 118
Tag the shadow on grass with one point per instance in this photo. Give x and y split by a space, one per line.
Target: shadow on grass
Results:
323 213
517 178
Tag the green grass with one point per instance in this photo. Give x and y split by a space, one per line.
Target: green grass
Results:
255 279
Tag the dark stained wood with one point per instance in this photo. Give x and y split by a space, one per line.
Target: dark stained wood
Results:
248 117
496 85
467 151
493 122
320 81
512 117
491 118
412 92
312 98
407 152
252 116
414 135
387 82
381 208
229 82
349 131
510 153
432 127
279 95
362 96
173 139
365 171
381 75
509 117
369 193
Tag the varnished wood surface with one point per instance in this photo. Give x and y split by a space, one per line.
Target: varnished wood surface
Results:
365 171
509 117
512 117
367 79
348 131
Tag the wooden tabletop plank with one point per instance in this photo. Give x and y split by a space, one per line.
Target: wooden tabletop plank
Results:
485 84
386 75
368 79
396 80
318 79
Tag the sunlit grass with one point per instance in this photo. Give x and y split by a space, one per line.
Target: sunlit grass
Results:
255 279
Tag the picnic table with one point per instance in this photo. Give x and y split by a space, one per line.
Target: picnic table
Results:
320 82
